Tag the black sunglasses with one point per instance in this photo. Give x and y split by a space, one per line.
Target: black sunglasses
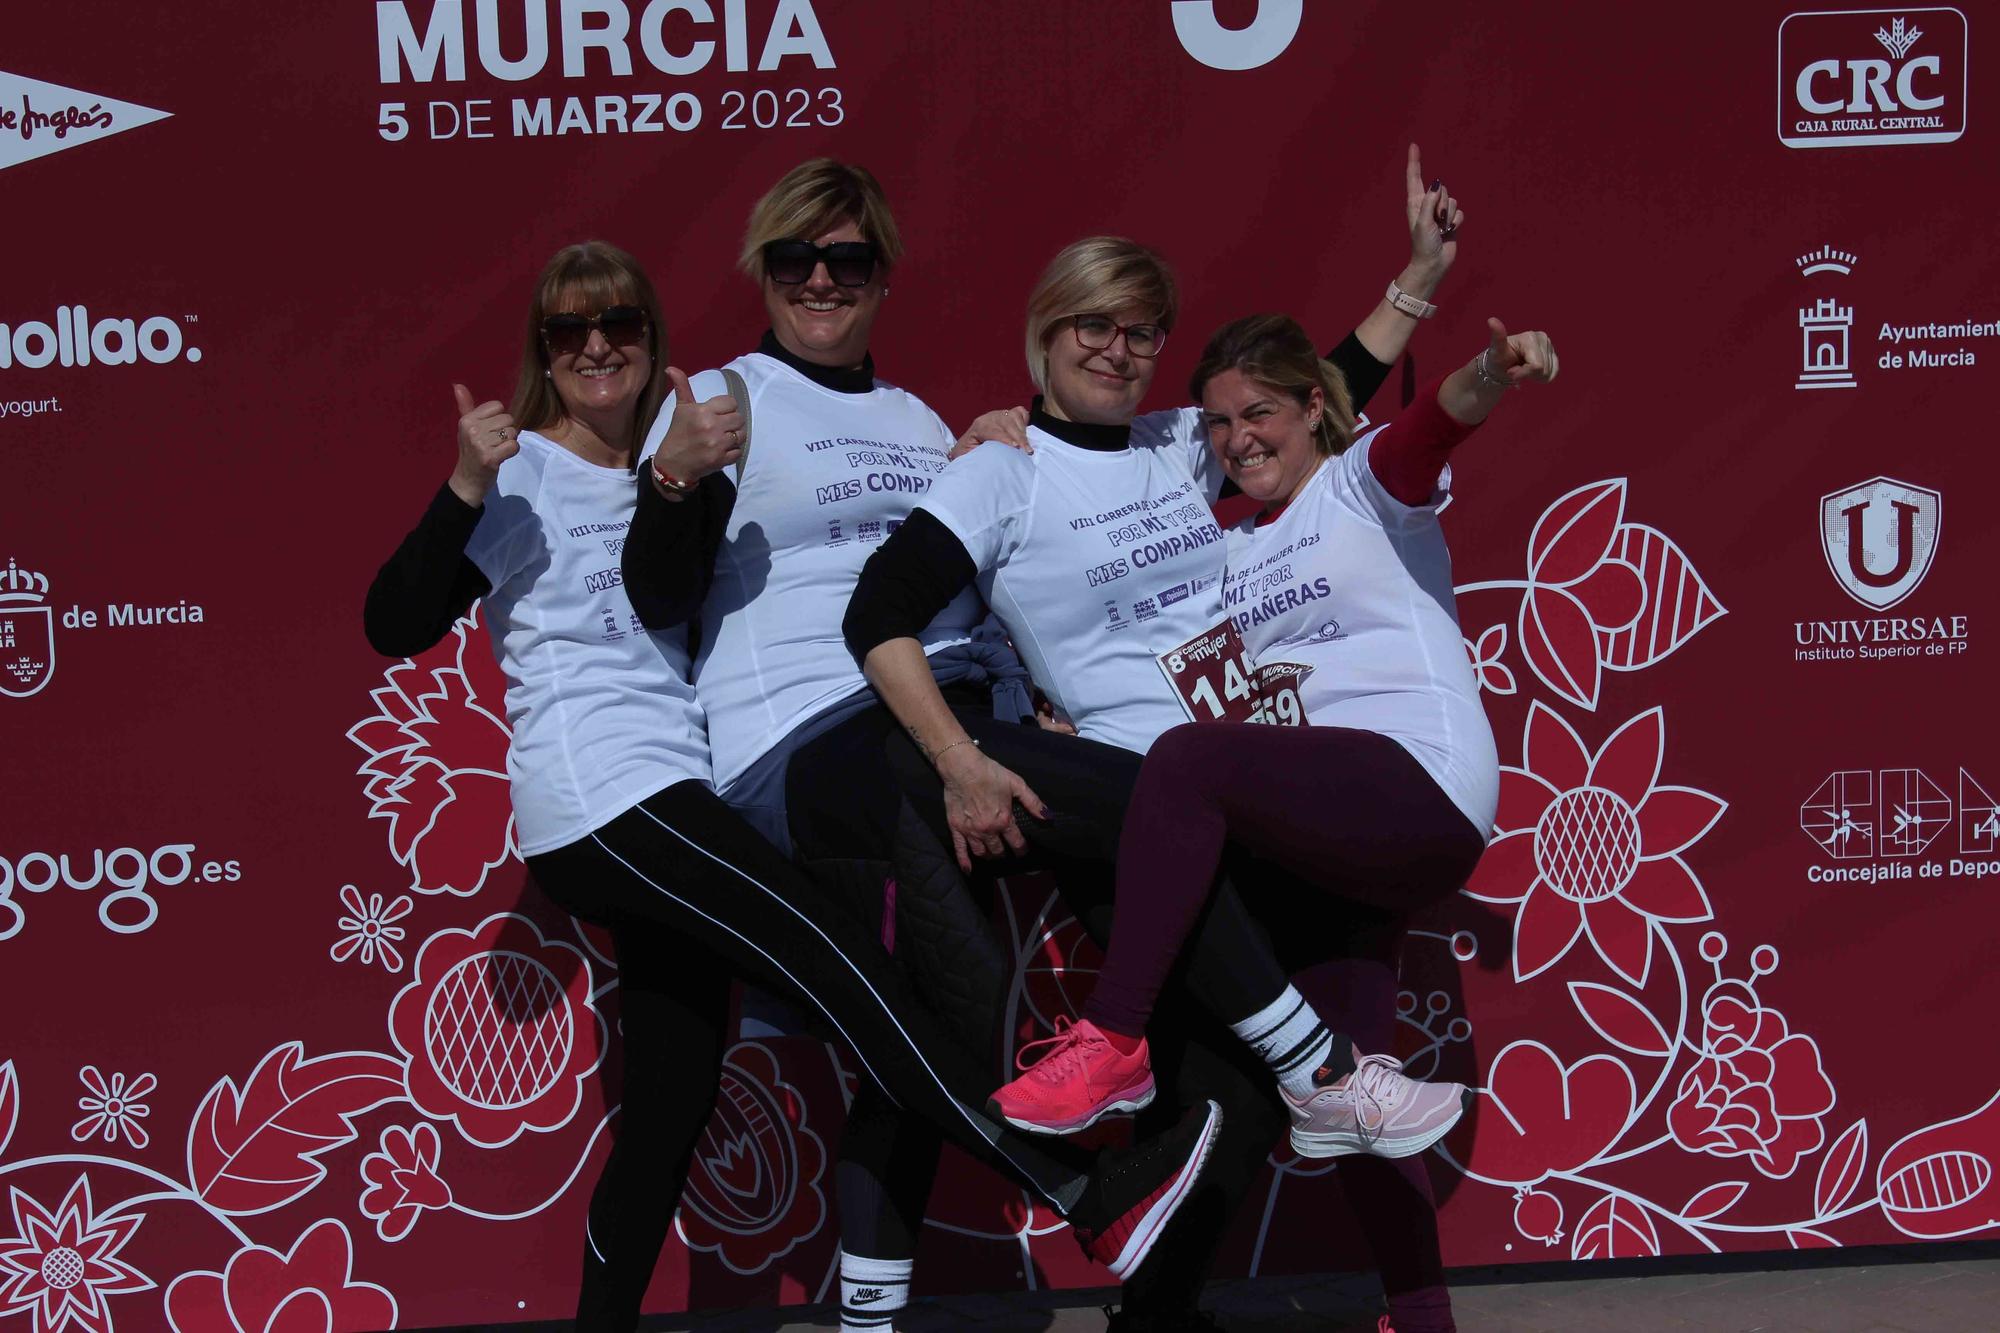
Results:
567 334
848 263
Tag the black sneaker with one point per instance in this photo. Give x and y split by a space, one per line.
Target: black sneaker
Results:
1135 1191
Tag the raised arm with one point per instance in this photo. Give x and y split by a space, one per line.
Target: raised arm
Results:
1409 454
1433 218
430 582
685 500
904 585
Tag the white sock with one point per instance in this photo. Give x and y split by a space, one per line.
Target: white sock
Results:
872 1291
1289 1037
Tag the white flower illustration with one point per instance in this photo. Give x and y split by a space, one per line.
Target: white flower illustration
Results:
112 1107
369 929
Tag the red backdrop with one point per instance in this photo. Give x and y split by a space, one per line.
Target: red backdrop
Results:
281 1014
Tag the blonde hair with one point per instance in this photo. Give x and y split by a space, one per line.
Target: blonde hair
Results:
814 197
1275 352
1098 274
591 275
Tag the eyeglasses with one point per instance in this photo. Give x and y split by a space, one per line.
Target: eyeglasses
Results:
848 263
1097 332
567 334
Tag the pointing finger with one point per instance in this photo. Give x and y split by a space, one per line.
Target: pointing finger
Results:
678 382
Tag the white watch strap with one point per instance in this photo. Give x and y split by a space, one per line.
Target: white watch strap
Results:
1413 306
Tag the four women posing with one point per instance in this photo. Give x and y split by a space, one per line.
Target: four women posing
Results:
762 491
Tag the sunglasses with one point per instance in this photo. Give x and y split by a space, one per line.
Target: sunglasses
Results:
1097 332
848 263
567 334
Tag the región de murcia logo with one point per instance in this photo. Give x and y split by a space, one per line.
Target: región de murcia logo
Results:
27 632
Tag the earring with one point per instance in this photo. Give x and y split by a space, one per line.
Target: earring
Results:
885 289
547 373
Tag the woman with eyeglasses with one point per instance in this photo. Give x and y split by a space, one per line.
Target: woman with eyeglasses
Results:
1098 552
768 552
610 772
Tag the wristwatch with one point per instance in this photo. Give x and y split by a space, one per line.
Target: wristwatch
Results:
1413 306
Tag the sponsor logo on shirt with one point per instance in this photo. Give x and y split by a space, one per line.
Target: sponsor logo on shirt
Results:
1112 620
1871 76
1177 593
1145 609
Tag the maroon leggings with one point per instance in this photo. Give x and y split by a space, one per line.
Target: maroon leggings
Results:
1347 812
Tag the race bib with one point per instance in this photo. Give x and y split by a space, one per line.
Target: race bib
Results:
1278 688
1212 678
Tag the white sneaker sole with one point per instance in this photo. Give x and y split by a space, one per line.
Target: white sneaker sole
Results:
1117 1106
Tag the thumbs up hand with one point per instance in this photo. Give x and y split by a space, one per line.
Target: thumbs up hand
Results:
1520 357
487 437
702 437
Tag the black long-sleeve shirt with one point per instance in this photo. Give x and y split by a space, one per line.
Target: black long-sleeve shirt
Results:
422 590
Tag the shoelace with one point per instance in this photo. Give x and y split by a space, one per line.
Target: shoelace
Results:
1375 1082
1066 1051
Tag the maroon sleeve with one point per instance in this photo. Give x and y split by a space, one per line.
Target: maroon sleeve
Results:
1408 455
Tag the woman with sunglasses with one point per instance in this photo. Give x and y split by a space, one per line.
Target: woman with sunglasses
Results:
610 773
1098 553
768 550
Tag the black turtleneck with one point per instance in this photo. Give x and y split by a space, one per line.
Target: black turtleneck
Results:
1082 434
840 379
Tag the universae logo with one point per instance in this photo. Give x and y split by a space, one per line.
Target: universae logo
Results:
1872 76
1879 537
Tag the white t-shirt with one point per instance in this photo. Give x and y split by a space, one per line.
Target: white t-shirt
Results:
1097 562
601 709
829 476
1357 585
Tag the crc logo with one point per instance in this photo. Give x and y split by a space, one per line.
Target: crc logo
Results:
1111 569
27 632
1262 41
1871 76
1879 537
38 118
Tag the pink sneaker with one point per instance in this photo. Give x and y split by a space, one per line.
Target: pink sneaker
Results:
1376 1110
1077 1081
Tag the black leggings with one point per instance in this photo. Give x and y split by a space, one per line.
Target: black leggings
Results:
853 791
681 876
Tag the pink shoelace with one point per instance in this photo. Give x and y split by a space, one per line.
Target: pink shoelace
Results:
1375 1082
1065 1053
